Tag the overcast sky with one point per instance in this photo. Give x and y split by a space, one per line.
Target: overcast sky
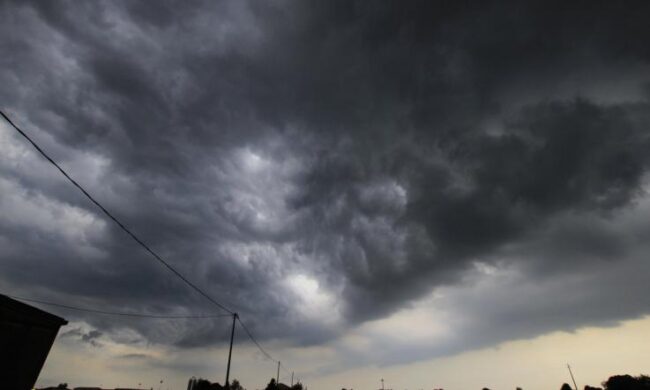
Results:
371 185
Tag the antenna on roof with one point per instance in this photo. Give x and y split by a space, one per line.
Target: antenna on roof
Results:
572 378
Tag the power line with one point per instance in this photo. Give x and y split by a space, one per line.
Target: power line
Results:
250 335
120 224
113 313
259 346
139 242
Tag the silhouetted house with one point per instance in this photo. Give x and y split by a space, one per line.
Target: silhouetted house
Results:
26 336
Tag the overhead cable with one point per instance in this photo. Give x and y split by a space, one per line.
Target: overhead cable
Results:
114 219
139 242
113 313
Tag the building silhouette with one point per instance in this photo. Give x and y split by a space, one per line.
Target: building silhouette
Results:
26 336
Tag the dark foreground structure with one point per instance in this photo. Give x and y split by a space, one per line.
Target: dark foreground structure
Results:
26 336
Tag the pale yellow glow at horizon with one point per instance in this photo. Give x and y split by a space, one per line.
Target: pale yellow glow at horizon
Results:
536 364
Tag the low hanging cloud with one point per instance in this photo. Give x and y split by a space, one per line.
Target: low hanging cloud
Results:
322 165
89 337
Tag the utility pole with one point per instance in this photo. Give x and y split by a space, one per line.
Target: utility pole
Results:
277 377
291 378
382 383
572 378
232 338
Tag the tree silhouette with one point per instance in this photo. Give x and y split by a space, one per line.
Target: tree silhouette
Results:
202 384
272 385
627 382
566 386
236 385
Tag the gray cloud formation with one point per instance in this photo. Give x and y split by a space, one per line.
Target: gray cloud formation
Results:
89 337
377 149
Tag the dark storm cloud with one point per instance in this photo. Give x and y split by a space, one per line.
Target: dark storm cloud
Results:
553 158
366 145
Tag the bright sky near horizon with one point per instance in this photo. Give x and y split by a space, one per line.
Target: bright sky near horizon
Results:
440 194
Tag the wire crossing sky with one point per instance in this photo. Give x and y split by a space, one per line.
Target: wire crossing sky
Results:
379 189
114 219
141 243
122 314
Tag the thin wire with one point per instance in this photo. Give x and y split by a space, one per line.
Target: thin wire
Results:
124 314
133 236
137 240
259 346
250 335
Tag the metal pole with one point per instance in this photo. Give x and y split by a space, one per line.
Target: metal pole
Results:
232 338
291 378
277 377
572 378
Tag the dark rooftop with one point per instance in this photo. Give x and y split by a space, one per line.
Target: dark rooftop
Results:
15 311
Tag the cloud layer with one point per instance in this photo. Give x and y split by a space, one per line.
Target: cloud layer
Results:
320 165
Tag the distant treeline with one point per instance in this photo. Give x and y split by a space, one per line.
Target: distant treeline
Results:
620 382
203 384
616 382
